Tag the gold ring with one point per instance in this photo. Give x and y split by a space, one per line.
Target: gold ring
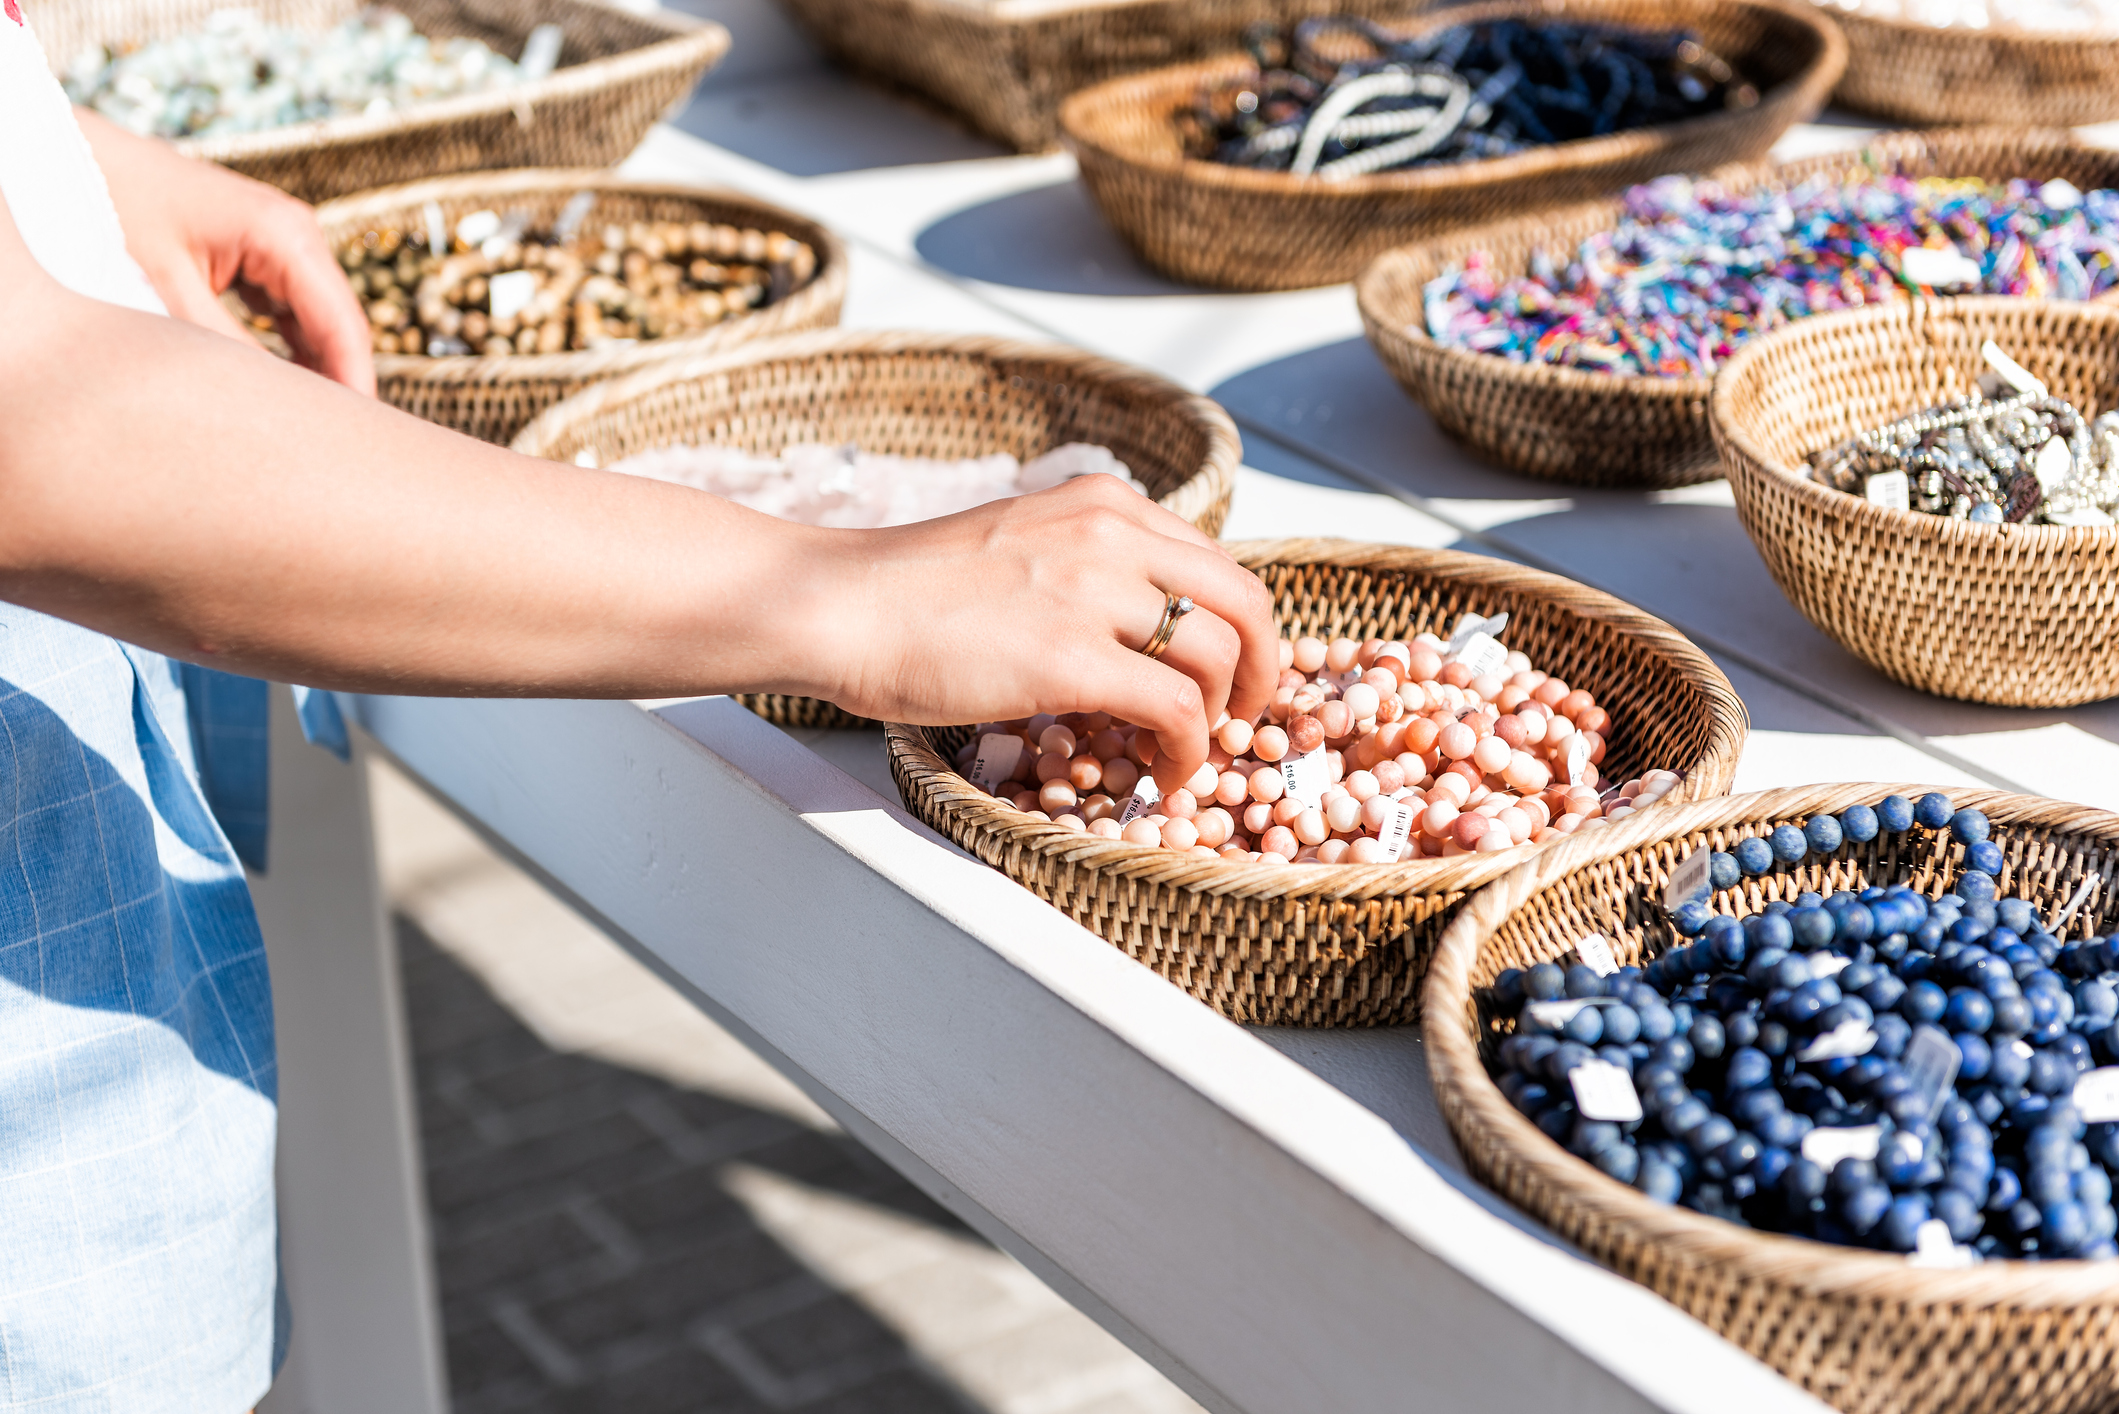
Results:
1175 607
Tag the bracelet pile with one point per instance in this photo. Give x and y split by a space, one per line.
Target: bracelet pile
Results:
1468 92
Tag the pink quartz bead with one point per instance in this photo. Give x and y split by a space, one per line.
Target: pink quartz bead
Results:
1439 818
1257 816
1341 655
1215 826
1141 832
1390 777
1179 834
1269 744
1085 773
1383 679
1344 813
1374 811
1267 784
1036 725
1567 824
1526 773
1287 810
1120 777
1056 739
1367 850
1457 741
1361 701
1180 804
1488 687
1235 737
1516 823
1070 821
1335 719
1362 784
1279 840
1024 800
1493 842
1331 851
1309 654
1204 779
1491 755
1105 828
1050 767
1107 745
1287 655
1470 829
1232 789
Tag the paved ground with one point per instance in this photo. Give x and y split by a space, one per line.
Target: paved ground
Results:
633 1213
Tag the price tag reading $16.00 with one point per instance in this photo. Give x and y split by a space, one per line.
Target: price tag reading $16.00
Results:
1603 1091
998 755
1307 776
1397 833
1146 796
1596 955
1689 881
1483 654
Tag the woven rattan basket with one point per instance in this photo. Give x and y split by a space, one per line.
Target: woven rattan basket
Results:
1238 229
494 398
1862 1330
620 72
1005 65
1345 944
2015 615
909 394
1923 75
1600 429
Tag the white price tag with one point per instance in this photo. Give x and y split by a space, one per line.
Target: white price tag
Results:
1931 1062
998 755
1603 1091
2053 465
1577 751
1828 964
2060 194
540 52
1482 654
2097 1095
1558 1013
1146 796
1470 626
1849 1038
1596 955
1689 882
2012 373
478 228
437 228
510 292
1888 489
1397 833
1826 1147
1937 269
1933 1247
1307 776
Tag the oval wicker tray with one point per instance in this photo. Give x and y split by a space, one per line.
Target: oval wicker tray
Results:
2015 615
1924 76
1601 429
1345 944
909 394
493 398
1861 1330
622 70
1238 229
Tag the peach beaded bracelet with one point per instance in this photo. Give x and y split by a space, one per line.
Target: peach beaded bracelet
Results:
1369 753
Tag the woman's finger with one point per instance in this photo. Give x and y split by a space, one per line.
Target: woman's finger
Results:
1213 581
294 266
1159 698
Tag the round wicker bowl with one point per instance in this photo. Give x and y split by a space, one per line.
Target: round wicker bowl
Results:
1236 229
909 394
1861 1330
1345 944
493 398
623 69
1600 429
1922 75
2014 615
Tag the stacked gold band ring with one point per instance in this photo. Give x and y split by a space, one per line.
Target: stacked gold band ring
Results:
1175 607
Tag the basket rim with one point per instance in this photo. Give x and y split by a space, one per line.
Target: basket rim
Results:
826 287
1224 446
1753 464
2009 30
1462 1086
1414 340
687 40
909 748
1081 112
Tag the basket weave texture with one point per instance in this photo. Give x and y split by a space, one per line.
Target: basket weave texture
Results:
1234 228
1601 429
908 394
1861 1330
2015 615
1922 75
493 398
1005 66
1345 944
621 71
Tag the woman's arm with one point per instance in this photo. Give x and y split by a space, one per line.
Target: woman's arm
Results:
187 492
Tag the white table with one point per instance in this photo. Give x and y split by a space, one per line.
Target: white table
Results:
1277 1219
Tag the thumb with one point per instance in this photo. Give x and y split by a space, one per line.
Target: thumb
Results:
187 296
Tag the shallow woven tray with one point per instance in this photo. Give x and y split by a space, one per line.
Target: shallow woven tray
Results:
1005 66
910 394
1238 229
494 397
1922 75
621 71
1345 944
1600 429
2015 615
1861 1330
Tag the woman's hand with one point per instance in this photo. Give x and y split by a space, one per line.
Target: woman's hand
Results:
1041 604
196 229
